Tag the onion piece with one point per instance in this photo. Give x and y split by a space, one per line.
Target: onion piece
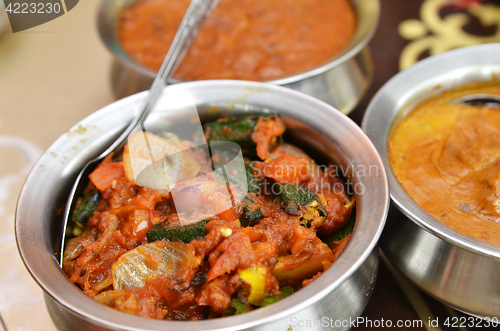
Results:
161 258
73 248
120 300
98 287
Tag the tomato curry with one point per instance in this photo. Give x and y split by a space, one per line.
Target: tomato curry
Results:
258 40
135 251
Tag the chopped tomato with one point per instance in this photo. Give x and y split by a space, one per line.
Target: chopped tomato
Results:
286 168
266 133
339 246
105 174
234 252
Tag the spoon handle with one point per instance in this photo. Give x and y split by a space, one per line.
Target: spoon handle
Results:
193 20
195 17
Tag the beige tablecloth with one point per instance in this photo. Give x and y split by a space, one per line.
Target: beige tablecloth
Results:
51 76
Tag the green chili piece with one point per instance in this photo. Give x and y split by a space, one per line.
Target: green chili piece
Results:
89 203
250 215
270 299
297 200
253 185
237 129
236 307
344 231
184 233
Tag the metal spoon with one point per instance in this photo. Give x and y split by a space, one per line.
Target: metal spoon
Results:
195 17
480 100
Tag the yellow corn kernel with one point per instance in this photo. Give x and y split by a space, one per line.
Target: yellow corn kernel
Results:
226 232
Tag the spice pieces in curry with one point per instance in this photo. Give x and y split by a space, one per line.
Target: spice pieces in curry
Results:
446 155
243 39
206 255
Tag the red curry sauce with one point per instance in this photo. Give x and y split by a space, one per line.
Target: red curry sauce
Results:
244 39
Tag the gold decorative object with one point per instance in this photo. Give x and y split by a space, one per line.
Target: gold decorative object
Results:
438 34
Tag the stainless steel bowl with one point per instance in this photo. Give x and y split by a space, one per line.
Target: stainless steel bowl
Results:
340 82
340 293
450 266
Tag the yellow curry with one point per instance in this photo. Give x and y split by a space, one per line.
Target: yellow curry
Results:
446 155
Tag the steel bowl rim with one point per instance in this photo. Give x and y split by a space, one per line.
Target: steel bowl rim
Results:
397 193
321 286
354 47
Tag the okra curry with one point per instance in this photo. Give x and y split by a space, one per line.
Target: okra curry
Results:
133 250
258 40
446 155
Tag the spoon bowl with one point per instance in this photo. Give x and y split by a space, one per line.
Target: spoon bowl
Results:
481 100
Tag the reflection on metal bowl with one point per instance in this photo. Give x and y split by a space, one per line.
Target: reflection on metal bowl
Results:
452 267
341 82
340 293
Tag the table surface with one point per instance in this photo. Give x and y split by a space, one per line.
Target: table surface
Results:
53 75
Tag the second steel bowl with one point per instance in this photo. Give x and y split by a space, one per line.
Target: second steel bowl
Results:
341 82
337 296
454 268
